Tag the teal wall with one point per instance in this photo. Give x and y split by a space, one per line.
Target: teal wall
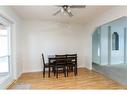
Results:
96 46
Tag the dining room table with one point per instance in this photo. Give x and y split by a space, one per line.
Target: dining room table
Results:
53 58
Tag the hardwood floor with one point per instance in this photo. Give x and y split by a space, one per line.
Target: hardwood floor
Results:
85 79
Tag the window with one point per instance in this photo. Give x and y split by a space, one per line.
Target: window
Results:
115 41
4 47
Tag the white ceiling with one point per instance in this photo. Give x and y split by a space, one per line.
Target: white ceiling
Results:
81 15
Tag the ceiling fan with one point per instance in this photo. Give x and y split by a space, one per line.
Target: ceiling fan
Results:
66 9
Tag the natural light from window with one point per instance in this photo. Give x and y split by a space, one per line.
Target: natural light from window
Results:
4 49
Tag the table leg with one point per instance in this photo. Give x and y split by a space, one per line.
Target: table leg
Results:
49 72
49 69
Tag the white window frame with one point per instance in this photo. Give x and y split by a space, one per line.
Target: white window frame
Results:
7 23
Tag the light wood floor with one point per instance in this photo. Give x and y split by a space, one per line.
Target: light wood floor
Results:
85 79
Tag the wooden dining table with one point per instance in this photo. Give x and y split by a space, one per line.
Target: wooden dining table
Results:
52 58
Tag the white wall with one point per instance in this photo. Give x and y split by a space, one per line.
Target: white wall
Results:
110 15
51 38
16 43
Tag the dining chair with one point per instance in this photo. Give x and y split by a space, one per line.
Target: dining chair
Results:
60 56
72 63
60 63
46 65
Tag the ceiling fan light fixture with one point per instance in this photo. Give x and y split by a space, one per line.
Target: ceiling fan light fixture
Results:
66 10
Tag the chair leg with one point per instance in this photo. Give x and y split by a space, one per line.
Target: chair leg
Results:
64 71
44 72
49 72
67 71
75 71
72 69
56 72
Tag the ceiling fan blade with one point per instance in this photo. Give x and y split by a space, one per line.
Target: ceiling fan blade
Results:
78 6
56 12
69 13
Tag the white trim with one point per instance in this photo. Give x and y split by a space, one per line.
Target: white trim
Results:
125 51
109 45
7 80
